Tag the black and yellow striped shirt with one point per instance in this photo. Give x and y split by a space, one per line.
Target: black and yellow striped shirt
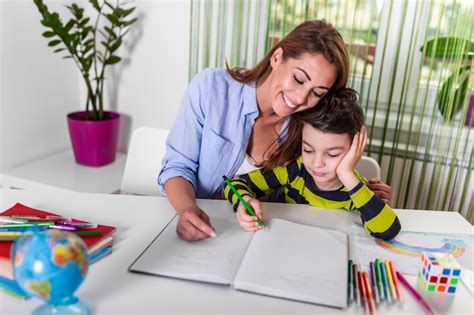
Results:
298 187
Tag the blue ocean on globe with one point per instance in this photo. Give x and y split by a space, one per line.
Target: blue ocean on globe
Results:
50 265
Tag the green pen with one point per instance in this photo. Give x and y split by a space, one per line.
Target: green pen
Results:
378 277
244 203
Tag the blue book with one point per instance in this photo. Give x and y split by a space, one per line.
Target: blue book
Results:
11 287
99 254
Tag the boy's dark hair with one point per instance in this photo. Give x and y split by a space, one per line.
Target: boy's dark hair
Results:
337 112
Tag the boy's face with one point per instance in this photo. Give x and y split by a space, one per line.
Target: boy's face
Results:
322 152
299 84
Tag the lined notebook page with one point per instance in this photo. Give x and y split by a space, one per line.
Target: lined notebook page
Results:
297 262
214 260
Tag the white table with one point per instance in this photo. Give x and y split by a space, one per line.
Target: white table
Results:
110 289
60 171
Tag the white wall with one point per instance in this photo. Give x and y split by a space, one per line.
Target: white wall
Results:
38 88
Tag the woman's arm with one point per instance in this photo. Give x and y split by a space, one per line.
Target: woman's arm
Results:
193 224
179 173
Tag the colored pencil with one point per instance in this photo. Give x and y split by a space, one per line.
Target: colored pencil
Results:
62 227
350 284
427 308
242 201
386 290
379 279
356 285
368 292
23 225
373 282
395 281
9 235
363 292
390 281
7 219
87 233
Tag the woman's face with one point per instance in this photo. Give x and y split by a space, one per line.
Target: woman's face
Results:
299 84
322 152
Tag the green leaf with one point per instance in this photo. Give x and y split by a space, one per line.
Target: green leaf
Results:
115 45
95 4
89 42
87 48
113 19
54 43
69 25
127 12
105 44
46 22
84 22
49 34
447 47
453 91
109 5
111 32
112 60
127 23
59 49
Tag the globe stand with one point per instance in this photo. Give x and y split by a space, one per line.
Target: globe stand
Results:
72 306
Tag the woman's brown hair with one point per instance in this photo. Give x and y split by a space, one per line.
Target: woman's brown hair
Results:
314 37
337 112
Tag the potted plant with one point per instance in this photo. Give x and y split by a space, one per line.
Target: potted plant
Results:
452 96
92 45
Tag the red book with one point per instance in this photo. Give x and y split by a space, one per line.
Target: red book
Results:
22 210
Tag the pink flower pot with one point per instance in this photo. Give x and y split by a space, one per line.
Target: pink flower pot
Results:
94 141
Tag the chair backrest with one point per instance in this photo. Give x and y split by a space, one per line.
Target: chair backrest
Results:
369 167
147 149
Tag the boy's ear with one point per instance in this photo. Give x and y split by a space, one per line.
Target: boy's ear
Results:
276 57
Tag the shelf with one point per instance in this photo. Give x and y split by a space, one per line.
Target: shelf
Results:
60 171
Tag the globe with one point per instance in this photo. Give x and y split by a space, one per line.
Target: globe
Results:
51 265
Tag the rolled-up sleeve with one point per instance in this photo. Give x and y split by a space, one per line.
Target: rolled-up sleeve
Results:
183 144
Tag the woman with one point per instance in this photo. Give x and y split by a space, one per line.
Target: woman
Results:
231 121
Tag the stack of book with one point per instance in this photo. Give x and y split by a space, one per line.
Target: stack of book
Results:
98 239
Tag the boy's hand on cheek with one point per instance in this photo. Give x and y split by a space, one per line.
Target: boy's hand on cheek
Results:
246 221
345 169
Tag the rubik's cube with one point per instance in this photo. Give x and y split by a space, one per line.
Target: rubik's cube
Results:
440 272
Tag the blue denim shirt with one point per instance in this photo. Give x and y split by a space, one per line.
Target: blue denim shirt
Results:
210 135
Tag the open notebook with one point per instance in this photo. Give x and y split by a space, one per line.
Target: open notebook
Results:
288 260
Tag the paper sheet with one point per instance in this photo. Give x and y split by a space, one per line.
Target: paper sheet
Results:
405 250
298 262
212 260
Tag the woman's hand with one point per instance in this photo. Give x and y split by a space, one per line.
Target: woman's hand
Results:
246 221
194 225
345 169
381 189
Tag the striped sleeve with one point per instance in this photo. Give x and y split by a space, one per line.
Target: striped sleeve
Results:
378 217
256 184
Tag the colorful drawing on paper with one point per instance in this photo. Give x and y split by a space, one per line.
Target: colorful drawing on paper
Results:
455 247
405 250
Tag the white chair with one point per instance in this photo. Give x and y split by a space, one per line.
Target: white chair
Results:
147 149
369 168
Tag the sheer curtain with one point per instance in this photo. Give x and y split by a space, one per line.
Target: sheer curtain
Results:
426 151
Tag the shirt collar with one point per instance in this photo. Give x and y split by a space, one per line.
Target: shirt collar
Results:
250 99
